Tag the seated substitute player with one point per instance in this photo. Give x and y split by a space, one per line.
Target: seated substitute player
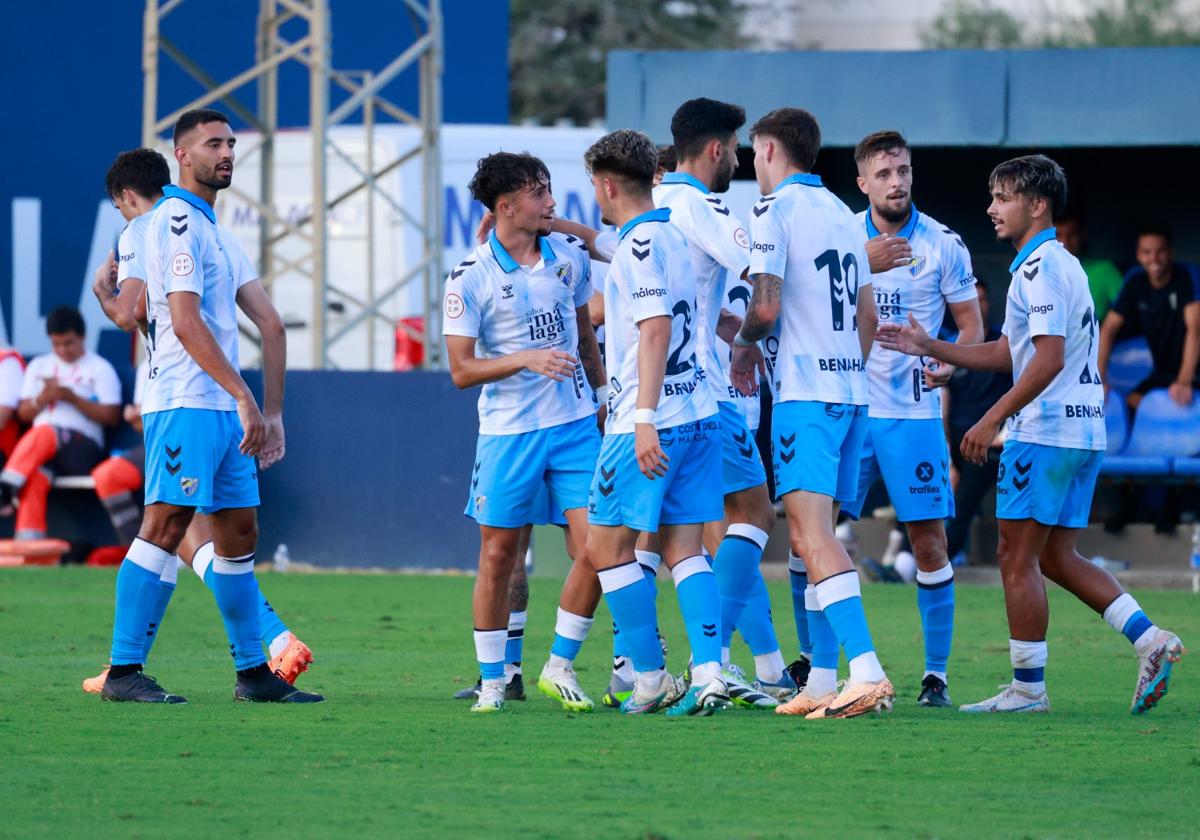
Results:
514 311
906 442
68 395
12 372
1055 442
660 462
202 424
809 268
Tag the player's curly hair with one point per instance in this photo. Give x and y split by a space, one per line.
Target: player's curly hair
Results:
877 144
506 172
699 121
796 130
144 171
1033 176
627 154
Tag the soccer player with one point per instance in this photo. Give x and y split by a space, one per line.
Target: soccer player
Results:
202 424
906 442
809 269
660 462
704 132
514 312
1055 442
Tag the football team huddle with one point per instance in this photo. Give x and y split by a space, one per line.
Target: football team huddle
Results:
645 451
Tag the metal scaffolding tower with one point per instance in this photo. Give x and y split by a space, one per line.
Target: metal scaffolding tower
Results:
311 19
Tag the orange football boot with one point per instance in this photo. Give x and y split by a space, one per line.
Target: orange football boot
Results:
293 662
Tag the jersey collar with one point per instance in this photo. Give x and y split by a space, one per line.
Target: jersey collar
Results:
1031 246
172 191
906 231
505 259
808 179
658 214
685 178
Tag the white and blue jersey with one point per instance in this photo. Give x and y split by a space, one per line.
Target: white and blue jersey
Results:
192 431
131 250
535 434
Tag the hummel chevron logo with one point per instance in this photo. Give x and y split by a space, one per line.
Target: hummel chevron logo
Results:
173 453
606 490
746 451
462 266
179 230
1020 483
709 630
1034 261
607 474
1029 275
174 468
645 245
761 207
718 206
787 456
1023 468
787 441
740 437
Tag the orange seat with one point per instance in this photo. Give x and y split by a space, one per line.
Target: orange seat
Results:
44 552
107 555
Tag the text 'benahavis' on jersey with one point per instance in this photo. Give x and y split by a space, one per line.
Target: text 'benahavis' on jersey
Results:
1049 295
720 253
187 251
651 275
805 235
508 308
939 273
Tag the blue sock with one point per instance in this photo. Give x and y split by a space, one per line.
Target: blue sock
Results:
824 641
841 601
138 590
648 561
630 599
935 601
799 575
270 625
700 603
238 596
569 632
756 625
514 645
165 591
735 567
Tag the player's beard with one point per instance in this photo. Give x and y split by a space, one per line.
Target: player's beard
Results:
723 178
212 180
896 216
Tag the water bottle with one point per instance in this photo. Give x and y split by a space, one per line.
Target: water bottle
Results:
1195 560
282 559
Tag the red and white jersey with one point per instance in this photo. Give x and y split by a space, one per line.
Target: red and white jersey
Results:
90 376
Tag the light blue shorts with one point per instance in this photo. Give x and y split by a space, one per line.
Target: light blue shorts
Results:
742 467
816 447
914 460
690 492
543 510
511 470
193 460
1050 484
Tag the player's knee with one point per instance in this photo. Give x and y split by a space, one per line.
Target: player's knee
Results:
929 544
164 530
497 560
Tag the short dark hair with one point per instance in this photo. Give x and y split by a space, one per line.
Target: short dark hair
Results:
879 143
195 117
504 172
628 154
796 130
1033 176
144 171
65 319
666 158
699 121
1157 229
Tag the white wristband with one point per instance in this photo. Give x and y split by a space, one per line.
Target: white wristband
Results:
602 394
741 342
645 415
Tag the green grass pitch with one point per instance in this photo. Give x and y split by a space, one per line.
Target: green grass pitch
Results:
390 755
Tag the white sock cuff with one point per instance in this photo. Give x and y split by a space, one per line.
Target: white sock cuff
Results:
811 601
1027 654
489 644
748 532
796 564
839 588
202 559
147 555
648 559
618 577
933 578
572 626
170 571
516 620
243 565
684 569
1118 613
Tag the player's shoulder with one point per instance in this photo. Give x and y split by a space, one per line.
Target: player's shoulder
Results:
938 233
473 266
570 246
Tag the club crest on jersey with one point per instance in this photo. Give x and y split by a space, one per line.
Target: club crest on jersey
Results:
480 501
189 485
564 274
916 264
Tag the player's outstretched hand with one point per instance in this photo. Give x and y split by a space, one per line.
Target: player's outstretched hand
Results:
978 440
652 461
909 338
885 252
554 364
485 226
254 428
104 286
274 447
937 374
745 361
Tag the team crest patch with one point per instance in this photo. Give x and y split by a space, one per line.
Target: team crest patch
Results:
564 274
916 264
480 501
189 485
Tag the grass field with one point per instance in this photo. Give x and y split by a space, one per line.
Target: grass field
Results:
389 754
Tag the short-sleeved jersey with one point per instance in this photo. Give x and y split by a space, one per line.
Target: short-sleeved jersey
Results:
508 308
651 275
737 299
12 374
720 251
1157 314
187 251
940 273
90 376
1049 295
805 235
131 250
